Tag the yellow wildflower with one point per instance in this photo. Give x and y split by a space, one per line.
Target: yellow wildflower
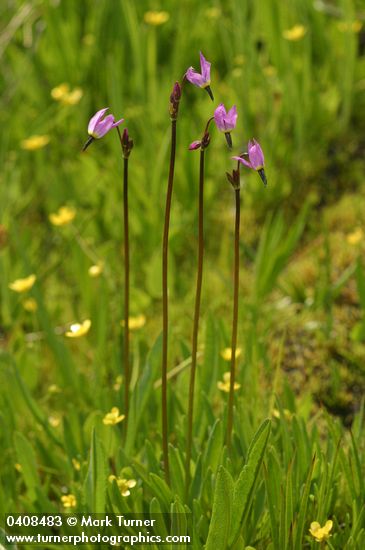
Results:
63 216
356 236
118 382
54 421
35 142
156 18
353 26
295 33
30 305
66 96
76 464
123 484
18 467
136 322
96 270
213 13
60 91
53 388
79 329
69 501
225 385
226 353
113 417
321 533
22 285
73 97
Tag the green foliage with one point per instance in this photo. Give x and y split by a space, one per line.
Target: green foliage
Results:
302 293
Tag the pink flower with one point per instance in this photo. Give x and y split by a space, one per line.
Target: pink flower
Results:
226 121
255 160
202 80
99 126
195 145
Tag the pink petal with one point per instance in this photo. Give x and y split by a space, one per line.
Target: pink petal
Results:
104 126
195 145
243 161
194 77
219 117
118 122
205 68
95 119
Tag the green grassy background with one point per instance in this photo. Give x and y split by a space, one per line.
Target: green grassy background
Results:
302 296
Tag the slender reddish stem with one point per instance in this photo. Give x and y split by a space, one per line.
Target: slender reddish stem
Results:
126 293
165 307
196 320
236 271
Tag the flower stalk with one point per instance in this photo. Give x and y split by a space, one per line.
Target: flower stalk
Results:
127 145
203 144
235 181
174 109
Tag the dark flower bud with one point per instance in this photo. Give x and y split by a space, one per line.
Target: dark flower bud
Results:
174 101
127 143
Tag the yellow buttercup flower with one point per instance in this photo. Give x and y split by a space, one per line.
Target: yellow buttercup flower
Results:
353 26
321 533
213 13
356 236
69 501
54 421
22 285
30 305
53 388
136 322
60 91
156 18
18 467
35 142
96 270
226 353
79 329
123 484
63 216
76 464
73 97
295 33
225 385
113 417
63 94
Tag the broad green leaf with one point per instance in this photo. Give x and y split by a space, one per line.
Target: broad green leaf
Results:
27 459
243 488
220 523
95 482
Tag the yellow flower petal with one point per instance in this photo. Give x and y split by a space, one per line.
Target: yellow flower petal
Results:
96 270
79 329
156 18
22 285
356 236
136 322
73 98
35 142
226 384
113 417
63 216
226 353
321 533
295 33
54 421
69 501
352 26
30 305
60 91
